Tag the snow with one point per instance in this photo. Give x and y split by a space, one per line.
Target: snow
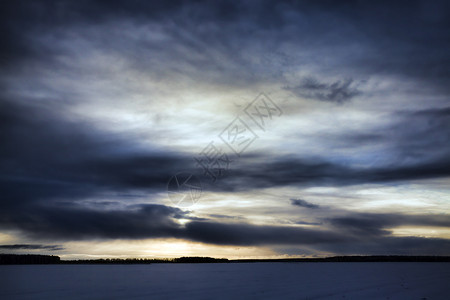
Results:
228 281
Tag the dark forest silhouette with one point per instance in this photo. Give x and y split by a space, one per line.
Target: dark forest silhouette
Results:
17 259
28 259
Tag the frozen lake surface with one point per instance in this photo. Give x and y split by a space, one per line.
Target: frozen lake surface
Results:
228 281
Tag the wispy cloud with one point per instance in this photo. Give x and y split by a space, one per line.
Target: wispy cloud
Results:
339 91
303 203
32 247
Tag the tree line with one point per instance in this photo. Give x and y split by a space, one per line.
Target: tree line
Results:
17 259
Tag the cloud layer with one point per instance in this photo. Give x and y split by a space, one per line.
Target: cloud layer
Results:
101 102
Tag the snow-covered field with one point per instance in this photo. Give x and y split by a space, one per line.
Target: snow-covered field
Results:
228 281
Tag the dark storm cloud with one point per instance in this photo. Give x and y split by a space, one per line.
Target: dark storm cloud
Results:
422 135
244 42
285 171
32 247
339 91
49 164
45 157
248 234
390 246
379 224
78 223
25 23
40 221
411 39
303 203
355 232
351 233
307 223
19 19
151 221
376 246
416 141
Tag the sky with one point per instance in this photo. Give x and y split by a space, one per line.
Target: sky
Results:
253 129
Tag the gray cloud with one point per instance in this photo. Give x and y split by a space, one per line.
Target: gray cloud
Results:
248 234
292 171
391 246
371 224
78 223
307 223
303 203
339 91
32 247
342 232
47 158
350 36
415 141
